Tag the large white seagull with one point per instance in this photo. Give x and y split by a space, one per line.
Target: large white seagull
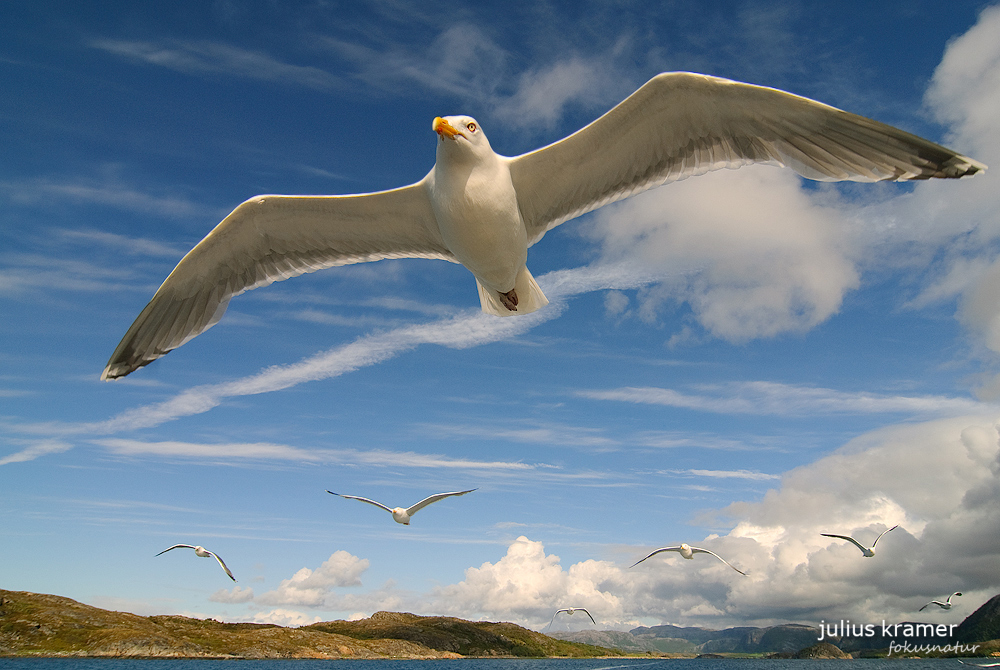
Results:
484 210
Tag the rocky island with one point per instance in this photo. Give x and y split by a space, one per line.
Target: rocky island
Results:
34 624
38 625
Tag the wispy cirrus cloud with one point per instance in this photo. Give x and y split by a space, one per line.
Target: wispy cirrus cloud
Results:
206 57
464 330
36 450
752 475
529 433
35 271
265 451
108 192
787 400
123 243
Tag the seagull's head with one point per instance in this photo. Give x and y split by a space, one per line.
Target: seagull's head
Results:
460 136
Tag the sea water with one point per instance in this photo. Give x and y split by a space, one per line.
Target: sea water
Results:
482 664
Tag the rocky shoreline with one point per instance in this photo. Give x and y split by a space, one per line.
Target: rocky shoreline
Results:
39 625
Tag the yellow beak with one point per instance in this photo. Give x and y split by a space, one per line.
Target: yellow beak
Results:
445 129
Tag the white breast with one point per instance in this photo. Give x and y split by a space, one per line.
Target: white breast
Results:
477 213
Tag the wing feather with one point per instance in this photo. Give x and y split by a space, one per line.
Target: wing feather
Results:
434 498
365 500
272 238
654 553
680 125
698 550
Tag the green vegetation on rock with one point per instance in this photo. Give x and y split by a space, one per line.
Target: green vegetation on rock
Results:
44 625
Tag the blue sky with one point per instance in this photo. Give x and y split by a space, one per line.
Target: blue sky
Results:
740 361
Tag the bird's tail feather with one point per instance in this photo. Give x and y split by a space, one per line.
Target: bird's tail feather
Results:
529 296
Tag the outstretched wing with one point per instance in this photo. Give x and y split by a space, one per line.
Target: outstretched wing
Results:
679 124
857 544
177 546
370 502
654 553
270 238
224 567
883 533
434 498
698 550
585 611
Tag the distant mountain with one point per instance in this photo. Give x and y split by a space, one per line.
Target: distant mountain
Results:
677 639
34 624
981 625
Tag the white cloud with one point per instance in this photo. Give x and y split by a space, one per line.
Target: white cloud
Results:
726 474
239 594
526 585
110 192
465 62
35 450
205 57
132 245
529 433
965 221
776 399
543 94
227 452
461 61
752 252
285 617
467 329
311 588
938 480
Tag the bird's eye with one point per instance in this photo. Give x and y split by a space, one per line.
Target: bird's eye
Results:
471 126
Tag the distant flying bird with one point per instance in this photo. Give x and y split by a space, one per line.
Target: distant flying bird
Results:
399 514
688 552
946 605
203 553
570 610
865 551
484 210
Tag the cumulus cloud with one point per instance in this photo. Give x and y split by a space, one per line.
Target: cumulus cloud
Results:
526 585
752 252
311 588
285 617
239 594
759 254
943 493
965 95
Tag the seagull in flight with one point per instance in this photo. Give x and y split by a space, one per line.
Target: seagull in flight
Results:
203 553
688 552
946 605
570 610
399 514
865 551
484 210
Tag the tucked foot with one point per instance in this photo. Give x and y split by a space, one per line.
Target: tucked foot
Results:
509 299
